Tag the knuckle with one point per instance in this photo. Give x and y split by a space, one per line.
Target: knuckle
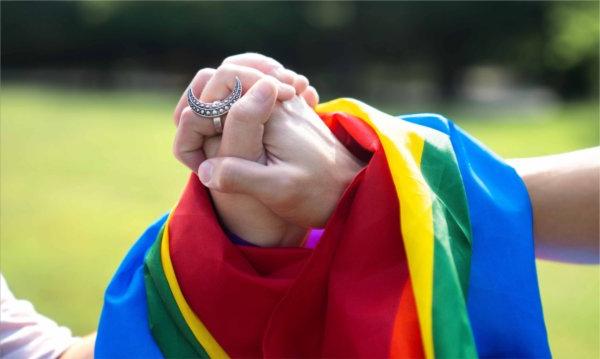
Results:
187 118
272 62
271 66
187 112
230 59
302 81
267 64
207 71
176 149
227 69
226 179
240 111
290 189
240 57
253 54
236 58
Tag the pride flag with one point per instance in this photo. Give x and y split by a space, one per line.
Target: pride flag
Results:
429 253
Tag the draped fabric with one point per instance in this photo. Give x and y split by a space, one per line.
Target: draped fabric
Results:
429 253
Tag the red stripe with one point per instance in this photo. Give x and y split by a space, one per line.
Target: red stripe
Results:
341 298
231 294
406 339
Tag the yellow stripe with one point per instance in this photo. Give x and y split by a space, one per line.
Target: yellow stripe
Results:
403 145
208 342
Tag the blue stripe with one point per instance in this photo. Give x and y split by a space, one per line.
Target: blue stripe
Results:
503 301
124 331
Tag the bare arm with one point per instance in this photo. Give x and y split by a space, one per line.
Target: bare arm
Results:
83 349
565 195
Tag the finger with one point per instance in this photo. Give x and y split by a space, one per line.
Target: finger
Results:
262 63
258 61
270 66
190 137
294 76
197 85
223 81
300 84
236 175
311 96
244 128
211 146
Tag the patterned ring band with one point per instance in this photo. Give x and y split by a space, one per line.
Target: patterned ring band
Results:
215 110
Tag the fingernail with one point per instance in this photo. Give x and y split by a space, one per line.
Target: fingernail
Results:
262 91
205 172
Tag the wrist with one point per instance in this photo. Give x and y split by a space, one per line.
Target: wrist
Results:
249 220
345 169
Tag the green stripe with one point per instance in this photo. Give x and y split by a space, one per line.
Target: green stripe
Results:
452 334
169 329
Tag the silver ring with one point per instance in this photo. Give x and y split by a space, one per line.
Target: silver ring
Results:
215 110
218 124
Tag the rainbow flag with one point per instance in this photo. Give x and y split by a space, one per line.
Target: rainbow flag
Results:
429 253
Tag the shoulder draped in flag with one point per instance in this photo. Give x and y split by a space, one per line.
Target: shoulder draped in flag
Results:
429 253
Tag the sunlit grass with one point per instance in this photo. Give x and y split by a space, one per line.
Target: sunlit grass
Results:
83 173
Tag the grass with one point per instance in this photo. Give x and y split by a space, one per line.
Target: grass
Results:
83 173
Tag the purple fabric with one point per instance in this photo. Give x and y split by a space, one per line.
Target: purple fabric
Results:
313 238
238 240
311 241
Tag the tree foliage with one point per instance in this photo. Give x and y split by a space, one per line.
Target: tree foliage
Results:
555 43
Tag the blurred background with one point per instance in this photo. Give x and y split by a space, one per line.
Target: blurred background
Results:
87 165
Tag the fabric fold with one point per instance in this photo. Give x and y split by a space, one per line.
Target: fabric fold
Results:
427 254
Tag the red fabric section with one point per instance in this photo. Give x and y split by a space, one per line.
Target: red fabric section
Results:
341 299
356 129
232 289
353 133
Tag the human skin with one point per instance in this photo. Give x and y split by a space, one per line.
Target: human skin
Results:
265 212
565 195
564 192
301 186
83 349
243 215
196 139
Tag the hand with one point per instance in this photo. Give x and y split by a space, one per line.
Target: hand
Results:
243 215
265 65
306 169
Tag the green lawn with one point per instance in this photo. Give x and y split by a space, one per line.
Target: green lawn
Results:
83 173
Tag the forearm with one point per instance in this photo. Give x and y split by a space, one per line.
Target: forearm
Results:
564 192
83 349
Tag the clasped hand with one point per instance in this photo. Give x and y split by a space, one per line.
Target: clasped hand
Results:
277 170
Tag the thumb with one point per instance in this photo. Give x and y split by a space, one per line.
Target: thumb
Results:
236 175
243 132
